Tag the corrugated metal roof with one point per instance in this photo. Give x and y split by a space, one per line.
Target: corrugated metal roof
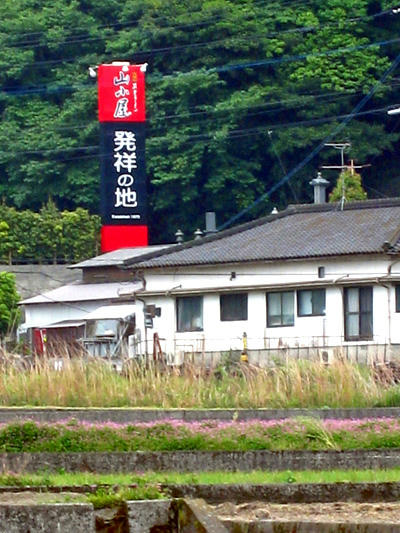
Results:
303 231
118 257
66 324
112 311
84 292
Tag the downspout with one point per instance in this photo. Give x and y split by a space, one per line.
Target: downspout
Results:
343 316
139 276
388 287
145 327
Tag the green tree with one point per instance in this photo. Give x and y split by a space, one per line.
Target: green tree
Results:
49 234
222 75
349 187
9 298
81 233
5 242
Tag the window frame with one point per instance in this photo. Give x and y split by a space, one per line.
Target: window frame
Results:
178 301
244 311
280 325
397 298
362 336
313 313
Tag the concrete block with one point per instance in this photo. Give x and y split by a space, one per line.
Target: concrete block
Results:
194 516
143 515
47 518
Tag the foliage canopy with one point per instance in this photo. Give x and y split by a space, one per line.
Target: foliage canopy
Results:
237 94
9 298
349 187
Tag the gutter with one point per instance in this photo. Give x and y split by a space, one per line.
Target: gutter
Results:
342 281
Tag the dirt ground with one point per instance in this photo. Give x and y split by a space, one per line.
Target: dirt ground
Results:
349 512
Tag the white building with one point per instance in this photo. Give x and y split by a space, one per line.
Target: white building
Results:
313 278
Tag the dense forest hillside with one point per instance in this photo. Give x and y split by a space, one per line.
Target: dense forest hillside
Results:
239 93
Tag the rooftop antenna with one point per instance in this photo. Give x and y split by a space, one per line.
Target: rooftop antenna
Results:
352 167
342 146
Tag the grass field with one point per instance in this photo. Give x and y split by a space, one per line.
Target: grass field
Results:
255 477
295 384
299 433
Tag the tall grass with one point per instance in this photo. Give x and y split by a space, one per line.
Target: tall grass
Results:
95 384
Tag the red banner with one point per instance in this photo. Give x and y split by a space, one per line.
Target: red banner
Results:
121 93
116 237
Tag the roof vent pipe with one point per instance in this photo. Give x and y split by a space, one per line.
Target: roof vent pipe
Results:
179 236
211 224
320 184
198 234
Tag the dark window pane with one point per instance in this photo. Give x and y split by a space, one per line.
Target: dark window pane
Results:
366 299
352 300
397 298
280 309
366 325
190 313
274 304
305 303
311 302
318 301
274 320
233 306
352 326
358 313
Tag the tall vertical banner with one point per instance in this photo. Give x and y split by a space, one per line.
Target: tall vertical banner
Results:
121 98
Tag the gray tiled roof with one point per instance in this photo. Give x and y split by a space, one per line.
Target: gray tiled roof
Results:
117 257
302 231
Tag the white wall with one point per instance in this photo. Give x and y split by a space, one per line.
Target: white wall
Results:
288 275
39 315
162 288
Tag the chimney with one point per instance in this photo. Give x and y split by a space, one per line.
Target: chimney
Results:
211 225
320 184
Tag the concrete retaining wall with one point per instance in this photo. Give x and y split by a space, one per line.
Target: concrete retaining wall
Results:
194 461
51 518
290 493
241 493
164 516
9 414
35 279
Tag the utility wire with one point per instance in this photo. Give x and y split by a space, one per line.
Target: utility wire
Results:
300 57
11 91
303 29
299 100
318 148
27 45
255 3
302 100
208 43
233 134
281 165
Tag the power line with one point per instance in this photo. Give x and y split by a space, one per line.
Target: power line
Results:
299 57
255 3
208 43
304 29
11 91
301 100
318 148
233 134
